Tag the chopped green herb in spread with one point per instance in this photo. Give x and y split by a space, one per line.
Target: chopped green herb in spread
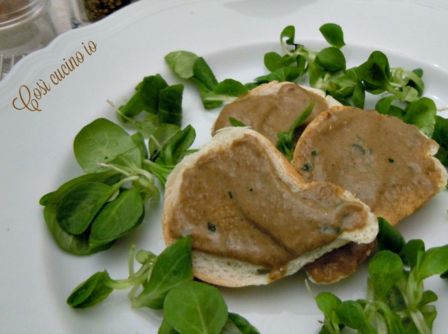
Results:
359 148
211 227
230 194
391 160
330 229
307 167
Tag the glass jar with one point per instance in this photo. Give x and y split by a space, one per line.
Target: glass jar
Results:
25 26
86 11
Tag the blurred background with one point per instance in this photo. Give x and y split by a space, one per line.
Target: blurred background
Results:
28 25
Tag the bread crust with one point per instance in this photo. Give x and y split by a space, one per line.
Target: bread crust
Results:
235 273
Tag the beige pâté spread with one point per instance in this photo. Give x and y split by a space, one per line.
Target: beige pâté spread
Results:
383 161
234 204
273 113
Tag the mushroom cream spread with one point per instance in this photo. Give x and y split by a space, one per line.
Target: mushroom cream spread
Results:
383 161
272 108
234 204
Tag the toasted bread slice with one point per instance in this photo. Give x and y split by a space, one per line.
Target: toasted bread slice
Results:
251 217
273 107
339 263
386 163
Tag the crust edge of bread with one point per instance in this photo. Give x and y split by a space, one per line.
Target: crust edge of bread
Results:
273 87
235 273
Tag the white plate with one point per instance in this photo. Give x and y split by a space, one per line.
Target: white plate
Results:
36 277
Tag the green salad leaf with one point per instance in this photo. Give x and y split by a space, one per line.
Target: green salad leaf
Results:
287 140
412 253
189 66
146 97
422 113
103 141
396 300
203 74
440 135
153 95
88 213
80 205
166 282
388 237
93 203
170 105
351 314
236 324
331 59
434 262
230 87
166 328
169 152
204 305
385 270
328 303
54 197
375 72
172 267
74 244
117 218
333 34
182 63
91 292
176 147
287 36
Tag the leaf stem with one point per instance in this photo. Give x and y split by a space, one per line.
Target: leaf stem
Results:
136 278
131 257
114 167
117 185
420 323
